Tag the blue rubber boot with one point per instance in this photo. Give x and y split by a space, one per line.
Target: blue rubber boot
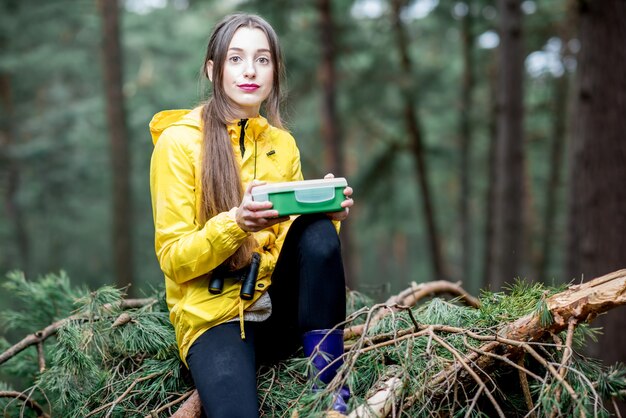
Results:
323 346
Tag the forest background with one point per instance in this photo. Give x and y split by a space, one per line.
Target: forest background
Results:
484 140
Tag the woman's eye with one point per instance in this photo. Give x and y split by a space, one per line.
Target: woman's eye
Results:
264 60
234 59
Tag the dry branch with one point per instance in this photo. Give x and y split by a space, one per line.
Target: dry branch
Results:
41 335
27 401
191 407
580 303
409 297
379 404
180 412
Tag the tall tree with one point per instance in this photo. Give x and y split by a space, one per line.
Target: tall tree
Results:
465 136
597 177
328 76
507 244
492 127
10 173
118 137
330 120
557 145
416 137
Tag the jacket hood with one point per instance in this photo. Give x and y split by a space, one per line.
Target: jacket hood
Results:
167 118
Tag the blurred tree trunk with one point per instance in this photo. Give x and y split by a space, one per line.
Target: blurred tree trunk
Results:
417 148
118 137
560 108
10 173
465 134
330 119
9 168
491 173
507 244
399 247
556 166
331 134
597 177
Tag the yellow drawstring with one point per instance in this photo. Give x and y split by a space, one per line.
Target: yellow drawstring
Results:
243 333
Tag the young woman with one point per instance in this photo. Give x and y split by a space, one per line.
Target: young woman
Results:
207 227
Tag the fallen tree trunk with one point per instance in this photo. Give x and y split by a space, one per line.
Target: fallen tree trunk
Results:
576 305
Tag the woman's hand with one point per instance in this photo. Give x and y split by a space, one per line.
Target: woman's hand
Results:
346 204
252 216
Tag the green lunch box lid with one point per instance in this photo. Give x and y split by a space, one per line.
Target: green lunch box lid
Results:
292 186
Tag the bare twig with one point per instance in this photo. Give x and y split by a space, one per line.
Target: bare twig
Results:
472 373
474 400
27 401
616 408
523 378
592 388
268 389
567 355
567 351
438 287
41 357
517 365
178 400
409 297
122 396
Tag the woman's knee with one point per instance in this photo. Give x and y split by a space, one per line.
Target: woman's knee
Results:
319 239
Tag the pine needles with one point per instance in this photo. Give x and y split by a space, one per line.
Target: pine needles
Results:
437 358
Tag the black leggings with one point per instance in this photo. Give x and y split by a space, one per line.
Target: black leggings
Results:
307 293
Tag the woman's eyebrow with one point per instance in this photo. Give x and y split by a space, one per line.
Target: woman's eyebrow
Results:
237 49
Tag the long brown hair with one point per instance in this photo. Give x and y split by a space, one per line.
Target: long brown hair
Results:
221 184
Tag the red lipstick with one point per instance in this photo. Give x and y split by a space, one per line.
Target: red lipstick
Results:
248 87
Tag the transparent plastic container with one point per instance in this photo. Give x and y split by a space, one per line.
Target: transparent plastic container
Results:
301 197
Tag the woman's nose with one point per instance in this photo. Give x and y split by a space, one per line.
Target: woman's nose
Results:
249 70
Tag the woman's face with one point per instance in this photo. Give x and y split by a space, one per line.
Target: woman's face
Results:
248 71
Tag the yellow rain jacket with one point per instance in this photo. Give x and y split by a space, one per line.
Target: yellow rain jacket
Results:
186 249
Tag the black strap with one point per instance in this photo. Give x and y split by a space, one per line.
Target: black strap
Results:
242 136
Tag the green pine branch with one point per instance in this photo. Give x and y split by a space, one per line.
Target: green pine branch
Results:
111 357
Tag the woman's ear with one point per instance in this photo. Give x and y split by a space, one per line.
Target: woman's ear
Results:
209 70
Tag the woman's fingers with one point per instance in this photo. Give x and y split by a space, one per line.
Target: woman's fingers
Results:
252 216
252 184
253 206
